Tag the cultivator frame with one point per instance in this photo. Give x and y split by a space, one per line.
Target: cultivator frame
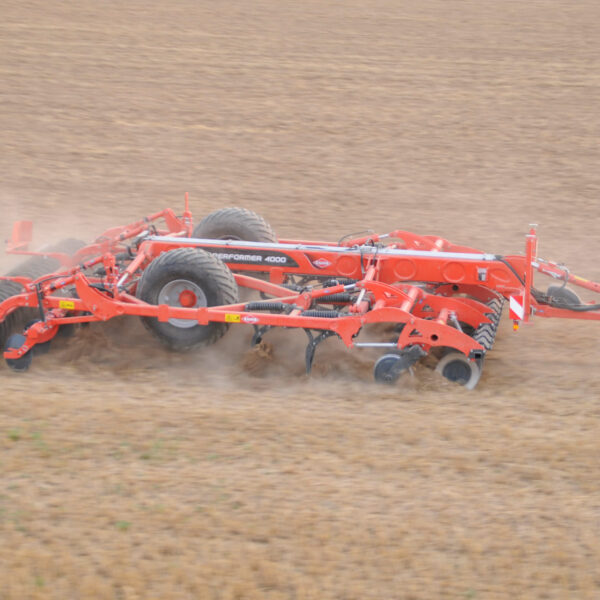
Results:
437 296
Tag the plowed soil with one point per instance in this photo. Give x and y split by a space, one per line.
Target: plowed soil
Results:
129 472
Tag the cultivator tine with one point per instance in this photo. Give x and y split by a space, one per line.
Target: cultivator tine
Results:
313 342
259 332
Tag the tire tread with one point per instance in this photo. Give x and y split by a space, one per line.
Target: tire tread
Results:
244 223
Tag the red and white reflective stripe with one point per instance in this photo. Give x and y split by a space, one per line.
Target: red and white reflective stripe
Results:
516 308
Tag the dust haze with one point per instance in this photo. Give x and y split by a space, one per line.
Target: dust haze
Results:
133 472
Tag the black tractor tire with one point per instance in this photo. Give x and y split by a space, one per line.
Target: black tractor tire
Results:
206 275
234 224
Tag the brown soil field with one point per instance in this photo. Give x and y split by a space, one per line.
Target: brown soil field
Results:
129 472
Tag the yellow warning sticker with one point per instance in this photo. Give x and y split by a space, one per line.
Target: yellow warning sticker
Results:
67 304
229 318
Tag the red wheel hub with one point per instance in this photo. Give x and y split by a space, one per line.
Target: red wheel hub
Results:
187 299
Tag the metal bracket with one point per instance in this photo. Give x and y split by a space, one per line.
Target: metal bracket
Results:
38 293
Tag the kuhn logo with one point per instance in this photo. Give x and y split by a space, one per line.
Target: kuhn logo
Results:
322 263
249 319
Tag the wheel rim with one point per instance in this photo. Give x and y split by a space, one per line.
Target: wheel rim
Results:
182 293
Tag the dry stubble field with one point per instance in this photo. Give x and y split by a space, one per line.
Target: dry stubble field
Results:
128 472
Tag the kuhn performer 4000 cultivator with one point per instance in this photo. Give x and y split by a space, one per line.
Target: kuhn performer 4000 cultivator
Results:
436 297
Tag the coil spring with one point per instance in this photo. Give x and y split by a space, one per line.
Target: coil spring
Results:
340 281
341 297
280 306
322 314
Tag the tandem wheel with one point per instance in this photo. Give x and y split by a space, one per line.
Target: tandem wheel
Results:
456 367
388 368
16 340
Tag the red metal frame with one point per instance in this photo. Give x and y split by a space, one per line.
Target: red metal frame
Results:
424 284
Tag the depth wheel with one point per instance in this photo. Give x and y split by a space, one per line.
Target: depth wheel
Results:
388 369
16 340
186 278
456 367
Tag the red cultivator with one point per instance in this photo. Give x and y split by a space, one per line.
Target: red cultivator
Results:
436 297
